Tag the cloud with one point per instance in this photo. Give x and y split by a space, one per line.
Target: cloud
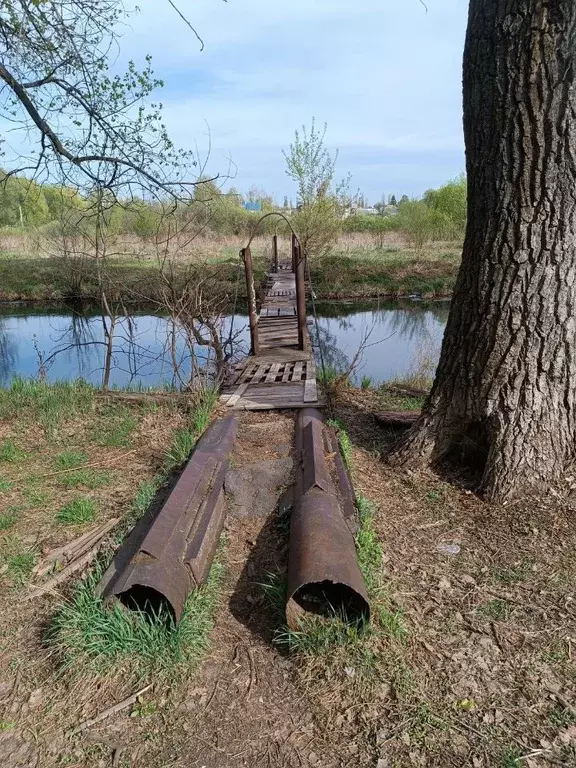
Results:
384 74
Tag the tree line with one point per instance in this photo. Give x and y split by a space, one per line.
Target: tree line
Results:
25 204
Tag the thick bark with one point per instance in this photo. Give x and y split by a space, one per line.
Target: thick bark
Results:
507 373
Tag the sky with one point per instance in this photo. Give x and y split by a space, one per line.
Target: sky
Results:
385 75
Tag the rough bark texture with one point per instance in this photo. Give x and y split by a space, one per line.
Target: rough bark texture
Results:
507 373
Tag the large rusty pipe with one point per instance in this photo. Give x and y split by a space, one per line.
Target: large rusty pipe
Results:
323 573
163 561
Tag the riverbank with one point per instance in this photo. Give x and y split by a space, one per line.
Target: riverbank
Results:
350 271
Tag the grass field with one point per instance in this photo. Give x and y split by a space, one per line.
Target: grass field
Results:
356 267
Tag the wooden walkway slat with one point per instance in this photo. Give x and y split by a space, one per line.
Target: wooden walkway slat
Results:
281 375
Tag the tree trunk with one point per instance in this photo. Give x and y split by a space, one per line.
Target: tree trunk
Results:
506 380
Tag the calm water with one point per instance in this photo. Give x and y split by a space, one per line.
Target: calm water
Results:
71 342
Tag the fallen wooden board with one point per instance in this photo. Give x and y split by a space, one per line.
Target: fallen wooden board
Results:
310 391
396 419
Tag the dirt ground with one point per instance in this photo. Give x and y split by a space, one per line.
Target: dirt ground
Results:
483 674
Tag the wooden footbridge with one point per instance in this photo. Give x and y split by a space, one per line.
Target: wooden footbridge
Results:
167 557
280 371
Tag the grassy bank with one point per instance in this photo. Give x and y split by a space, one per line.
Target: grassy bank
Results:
364 271
356 268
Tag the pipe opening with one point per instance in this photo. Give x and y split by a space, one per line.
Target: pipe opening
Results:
148 601
329 600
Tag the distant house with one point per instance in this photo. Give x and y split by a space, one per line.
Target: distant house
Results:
356 211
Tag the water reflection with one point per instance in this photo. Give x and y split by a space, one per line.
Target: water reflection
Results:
68 342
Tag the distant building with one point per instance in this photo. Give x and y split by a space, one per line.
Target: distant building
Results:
253 205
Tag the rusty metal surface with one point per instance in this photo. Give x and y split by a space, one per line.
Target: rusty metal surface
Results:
323 572
170 555
345 487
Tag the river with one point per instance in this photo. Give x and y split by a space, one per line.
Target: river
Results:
68 342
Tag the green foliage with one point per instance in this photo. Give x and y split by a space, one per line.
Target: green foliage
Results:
22 202
78 512
420 223
450 201
318 220
366 382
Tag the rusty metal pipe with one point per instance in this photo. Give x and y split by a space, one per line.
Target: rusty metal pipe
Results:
324 577
163 560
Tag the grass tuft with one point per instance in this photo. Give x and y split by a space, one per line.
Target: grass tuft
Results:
70 459
77 512
47 403
5 485
89 636
7 520
17 559
10 453
116 432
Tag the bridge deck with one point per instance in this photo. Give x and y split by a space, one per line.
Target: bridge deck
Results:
281 375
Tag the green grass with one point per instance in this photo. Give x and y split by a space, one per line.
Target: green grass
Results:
35 497
70 459
511 758
511 574
86 478
77 512
5 485
366 271
7 520
185 438
368 546
181 448
46 403
89 637
10 453
366 382
116 432
497 610
18 559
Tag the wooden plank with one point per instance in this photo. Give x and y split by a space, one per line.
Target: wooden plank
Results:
233 399
310 391
288 370
274 368
297 371
260 373
247 374
310 366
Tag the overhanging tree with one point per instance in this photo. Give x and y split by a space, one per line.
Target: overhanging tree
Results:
506 380
77 116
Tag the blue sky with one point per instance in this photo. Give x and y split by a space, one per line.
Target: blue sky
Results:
384 74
